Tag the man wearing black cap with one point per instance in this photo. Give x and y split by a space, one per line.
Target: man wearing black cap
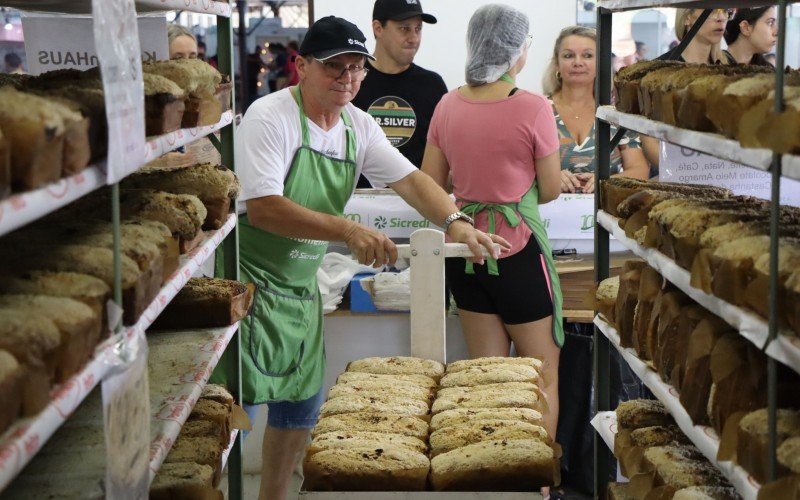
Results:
400 95
299 153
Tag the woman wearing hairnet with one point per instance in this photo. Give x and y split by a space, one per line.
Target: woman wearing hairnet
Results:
499 144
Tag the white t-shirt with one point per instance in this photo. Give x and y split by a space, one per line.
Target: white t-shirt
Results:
270 134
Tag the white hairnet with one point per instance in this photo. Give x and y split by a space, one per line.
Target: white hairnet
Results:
495 38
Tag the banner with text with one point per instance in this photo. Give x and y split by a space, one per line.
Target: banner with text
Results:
685 165
56 41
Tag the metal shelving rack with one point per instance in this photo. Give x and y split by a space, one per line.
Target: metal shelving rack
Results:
25 208
762 159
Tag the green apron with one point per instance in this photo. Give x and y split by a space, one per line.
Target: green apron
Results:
526 210
283 353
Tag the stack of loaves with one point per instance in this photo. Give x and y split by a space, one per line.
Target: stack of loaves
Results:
486 431
373 429
487 428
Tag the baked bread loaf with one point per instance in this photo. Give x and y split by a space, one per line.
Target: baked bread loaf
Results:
487 399
467 416
498 465
791 300
5 166
352 403
456 366
658 435
606 298
207 409
757 291
398 365
491 374
183 214
449 392
34 128
364 439
681 467
34 341
619 491
726 108
205 428
651 283
163 104
778 132
215 185
11 375
386 468
638 413
627 79
706 493
184 480
752 448
450 438
418 380
789 454
206 303
370 387
732 264
219 394
200 450
76 323
373 421
697 380
627 299
199 80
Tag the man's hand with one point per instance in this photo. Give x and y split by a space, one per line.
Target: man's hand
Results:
587 182
570 183
370 247
462 232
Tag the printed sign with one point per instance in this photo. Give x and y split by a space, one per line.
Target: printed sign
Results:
55 41
685 165
116 37
396 117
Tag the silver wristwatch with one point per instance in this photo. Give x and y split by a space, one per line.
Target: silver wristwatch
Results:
457 216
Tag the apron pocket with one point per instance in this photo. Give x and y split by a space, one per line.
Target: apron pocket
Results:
278 326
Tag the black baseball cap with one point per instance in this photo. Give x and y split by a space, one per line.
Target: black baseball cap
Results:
399 10
332 36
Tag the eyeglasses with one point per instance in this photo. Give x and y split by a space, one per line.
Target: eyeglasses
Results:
728 13
336 70
528 41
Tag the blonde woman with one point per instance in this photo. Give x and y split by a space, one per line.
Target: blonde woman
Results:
569 82
182 43
705 46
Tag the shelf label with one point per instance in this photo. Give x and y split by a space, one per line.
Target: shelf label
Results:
687 166
116 37
126 413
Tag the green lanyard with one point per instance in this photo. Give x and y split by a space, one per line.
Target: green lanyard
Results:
507 78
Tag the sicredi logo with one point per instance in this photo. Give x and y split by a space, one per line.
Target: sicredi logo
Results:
356 42
412 2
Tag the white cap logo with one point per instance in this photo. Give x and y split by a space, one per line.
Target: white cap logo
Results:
355 42
412 2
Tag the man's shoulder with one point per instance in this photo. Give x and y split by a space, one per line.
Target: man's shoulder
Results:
420 72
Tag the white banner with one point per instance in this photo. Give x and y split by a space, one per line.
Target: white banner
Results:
56 41
685 165
570 217
116 37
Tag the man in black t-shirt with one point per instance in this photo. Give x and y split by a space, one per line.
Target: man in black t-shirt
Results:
400 95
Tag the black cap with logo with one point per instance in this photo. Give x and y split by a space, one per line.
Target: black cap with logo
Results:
332 36
399 10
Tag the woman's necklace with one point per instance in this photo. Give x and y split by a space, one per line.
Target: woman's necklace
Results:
563 104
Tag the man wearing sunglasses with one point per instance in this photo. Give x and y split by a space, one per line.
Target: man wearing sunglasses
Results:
300 152
400 95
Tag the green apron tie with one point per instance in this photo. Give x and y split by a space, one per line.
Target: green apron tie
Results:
507 78
507 210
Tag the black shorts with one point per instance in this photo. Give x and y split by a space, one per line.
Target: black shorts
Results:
520 294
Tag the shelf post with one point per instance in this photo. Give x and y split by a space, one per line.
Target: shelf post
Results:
230 252
602 360
774 248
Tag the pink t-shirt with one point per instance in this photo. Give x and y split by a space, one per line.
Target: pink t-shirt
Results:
491 147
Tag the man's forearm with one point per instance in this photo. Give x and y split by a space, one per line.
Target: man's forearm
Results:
282 216
421 192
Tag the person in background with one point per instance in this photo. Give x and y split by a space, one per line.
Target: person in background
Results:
201 51
182 43
641 51
400 95
569 82
705 47
292 78
499 145
751 34
300 151
12 63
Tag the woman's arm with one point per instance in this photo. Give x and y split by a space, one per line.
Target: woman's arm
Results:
548 175
652 149
634 164
434 163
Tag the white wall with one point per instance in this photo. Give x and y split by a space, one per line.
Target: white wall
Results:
443 46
